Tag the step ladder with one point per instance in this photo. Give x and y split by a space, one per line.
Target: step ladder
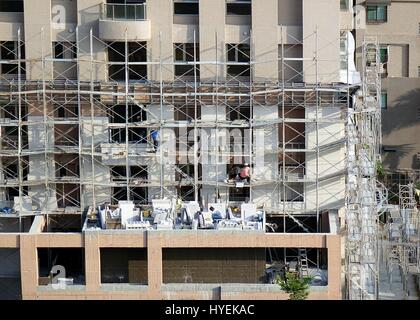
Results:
303 262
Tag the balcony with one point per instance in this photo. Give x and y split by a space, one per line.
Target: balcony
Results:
117 19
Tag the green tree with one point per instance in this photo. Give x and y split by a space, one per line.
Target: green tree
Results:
295 286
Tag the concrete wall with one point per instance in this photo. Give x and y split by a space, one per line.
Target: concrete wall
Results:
155 241
329 169
400 34
322 40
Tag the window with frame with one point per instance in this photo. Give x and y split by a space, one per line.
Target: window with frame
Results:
344 5
384 100
184 52
186 7
238 7
238 53
377 13
64 50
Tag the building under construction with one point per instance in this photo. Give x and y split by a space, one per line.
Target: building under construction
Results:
174 149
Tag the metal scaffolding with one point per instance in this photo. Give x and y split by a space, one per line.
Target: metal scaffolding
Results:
80 134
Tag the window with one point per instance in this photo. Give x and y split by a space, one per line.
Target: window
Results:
64 50
9 51
383 54
377 13
137 52
418 71
238 53
384 100
344 5
240 8
186 7
184 52
11 6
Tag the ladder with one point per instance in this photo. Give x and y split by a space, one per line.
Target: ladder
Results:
303 262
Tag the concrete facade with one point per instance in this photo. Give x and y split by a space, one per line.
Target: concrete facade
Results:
399 36
284 100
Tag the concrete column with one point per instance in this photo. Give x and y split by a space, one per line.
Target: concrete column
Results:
155 265
264 46
28 266
160 13
37 42
212 21
324 16
334 267
88 17
92 262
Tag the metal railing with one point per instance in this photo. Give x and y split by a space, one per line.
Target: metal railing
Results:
116 11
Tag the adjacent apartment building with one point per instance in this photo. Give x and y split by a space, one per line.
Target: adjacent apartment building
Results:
395 25
125 123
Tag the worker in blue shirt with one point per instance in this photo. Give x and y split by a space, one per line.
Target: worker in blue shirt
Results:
155 136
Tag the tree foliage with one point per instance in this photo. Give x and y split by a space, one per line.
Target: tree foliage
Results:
295 286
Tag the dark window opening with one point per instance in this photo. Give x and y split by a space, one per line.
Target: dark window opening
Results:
238 53
118 114
124 265
72 259
239 194
184 52
11 6
239 113
135 135
186 7
9 50
64 50
139 195
240 8
137 52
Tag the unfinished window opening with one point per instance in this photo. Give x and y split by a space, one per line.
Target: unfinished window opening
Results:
139 195
300 223
239 56
63 223
66 111
208 265
183 53
300 261
66 135
137 52
68 194
238 7
11 111
124 265
10 278
239 113
11 6
9 50
52 260
239 194
186 193
186 7
64 50
66 166
10 170
118 113
186 172
187 113
118 194
135 135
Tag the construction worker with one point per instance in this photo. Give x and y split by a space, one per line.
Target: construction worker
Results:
244 173
155 136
